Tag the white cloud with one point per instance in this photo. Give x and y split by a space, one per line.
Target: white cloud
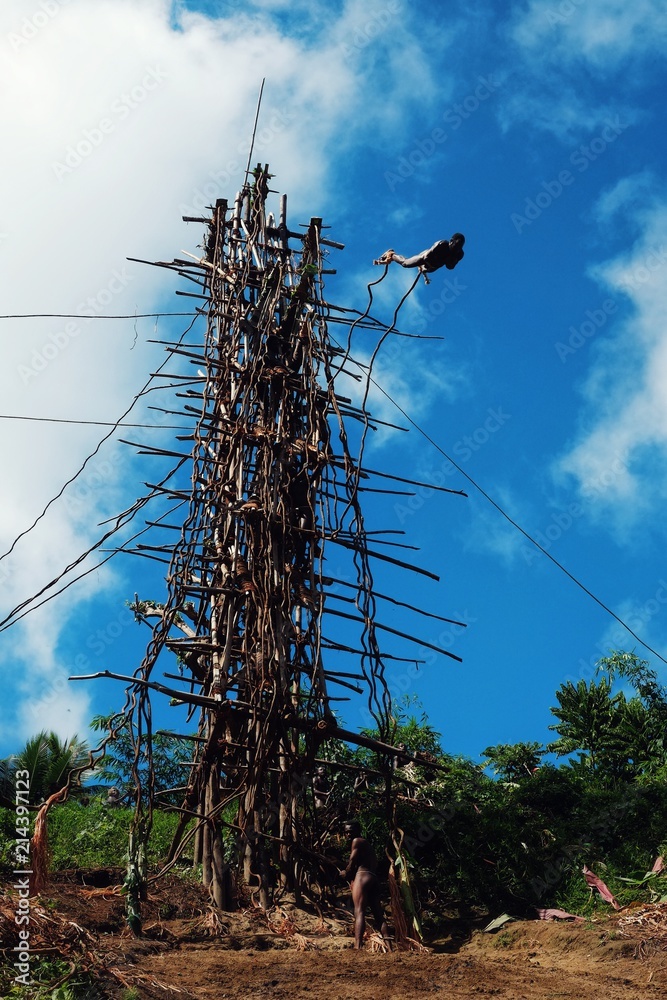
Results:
60 708
623 435
406 373
490 532
601 33
625 200
120 117
564 48
561 110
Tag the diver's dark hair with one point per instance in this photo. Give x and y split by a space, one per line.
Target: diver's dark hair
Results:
459 237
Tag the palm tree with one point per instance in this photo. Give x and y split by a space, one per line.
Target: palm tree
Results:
6 784
49 762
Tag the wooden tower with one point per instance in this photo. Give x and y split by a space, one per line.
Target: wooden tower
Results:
273 486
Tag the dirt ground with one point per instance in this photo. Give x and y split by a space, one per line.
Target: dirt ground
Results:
189 951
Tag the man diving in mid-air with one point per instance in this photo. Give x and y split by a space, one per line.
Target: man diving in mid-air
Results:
444 253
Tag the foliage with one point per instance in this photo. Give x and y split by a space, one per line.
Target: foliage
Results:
7 841
89 836
514 761
589 720
6 782
644 728
415 734
117 765
510 841
522 841
644 680
97 835
44 973
619 738
49 762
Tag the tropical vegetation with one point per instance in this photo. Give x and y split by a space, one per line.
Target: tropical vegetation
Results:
512 833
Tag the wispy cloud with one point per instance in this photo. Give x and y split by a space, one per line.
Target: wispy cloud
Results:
624 414
490 532
562 111
564 49
602 34
623 203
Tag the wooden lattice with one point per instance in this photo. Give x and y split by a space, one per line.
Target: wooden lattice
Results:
273 485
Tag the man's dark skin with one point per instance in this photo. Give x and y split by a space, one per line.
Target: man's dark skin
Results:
361 873
321 788
445 253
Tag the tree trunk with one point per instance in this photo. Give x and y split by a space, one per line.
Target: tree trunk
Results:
220 883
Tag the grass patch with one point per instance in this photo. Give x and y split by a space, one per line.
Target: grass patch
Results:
46 977
505 939
96 836
92 836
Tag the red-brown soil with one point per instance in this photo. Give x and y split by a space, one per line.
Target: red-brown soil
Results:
189 951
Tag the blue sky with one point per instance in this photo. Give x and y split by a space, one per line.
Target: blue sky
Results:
537 129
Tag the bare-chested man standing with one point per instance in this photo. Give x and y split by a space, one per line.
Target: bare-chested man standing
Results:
361 873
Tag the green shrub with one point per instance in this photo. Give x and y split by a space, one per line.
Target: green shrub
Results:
44 972
7 841
96 836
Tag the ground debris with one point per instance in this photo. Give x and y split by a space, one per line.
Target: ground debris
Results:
194 952
650 921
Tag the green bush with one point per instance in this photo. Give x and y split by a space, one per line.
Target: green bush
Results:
7 840
43 973
92 836
96 836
